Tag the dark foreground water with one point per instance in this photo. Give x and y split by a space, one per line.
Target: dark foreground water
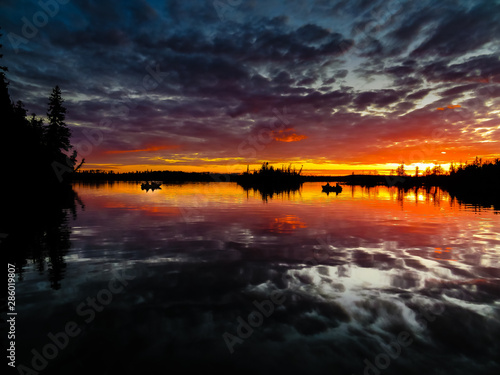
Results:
208 278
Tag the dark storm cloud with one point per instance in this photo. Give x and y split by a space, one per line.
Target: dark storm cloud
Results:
380 98
459 89
478 68
462 30
399 71
414 24
420 94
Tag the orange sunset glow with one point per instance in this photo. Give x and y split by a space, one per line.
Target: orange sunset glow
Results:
456 136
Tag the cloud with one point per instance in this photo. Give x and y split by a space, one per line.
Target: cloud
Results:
356 77
148 149
461 30
420 94
288 135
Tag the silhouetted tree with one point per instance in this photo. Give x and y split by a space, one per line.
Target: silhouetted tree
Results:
58 137
38 128
29 149
13 130
437 170
58 134
400 171
36 222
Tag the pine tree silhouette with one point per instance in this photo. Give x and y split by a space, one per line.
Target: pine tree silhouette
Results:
58 133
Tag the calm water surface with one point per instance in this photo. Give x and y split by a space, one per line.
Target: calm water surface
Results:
368 281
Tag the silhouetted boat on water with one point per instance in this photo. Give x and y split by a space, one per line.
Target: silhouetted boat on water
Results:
150 185
331 189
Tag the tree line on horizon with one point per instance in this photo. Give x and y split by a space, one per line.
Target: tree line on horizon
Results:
165 176
476 167
477 176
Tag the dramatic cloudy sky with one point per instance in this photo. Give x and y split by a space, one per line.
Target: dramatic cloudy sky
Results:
216 85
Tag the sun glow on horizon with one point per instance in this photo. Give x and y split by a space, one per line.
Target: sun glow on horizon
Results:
308 168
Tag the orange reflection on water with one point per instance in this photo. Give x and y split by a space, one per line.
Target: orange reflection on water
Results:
419 219
444 254
170 199
286 224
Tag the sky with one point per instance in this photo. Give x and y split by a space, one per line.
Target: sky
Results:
333 86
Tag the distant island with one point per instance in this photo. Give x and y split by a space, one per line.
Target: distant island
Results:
269 180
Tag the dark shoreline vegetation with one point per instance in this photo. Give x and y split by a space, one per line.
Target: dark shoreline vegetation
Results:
475 176
34 147
269 181
37 161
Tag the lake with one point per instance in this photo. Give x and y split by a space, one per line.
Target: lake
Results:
209 277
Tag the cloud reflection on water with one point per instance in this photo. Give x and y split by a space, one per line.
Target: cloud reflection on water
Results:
356 269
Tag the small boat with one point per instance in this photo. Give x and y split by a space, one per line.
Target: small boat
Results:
150 185
330 188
